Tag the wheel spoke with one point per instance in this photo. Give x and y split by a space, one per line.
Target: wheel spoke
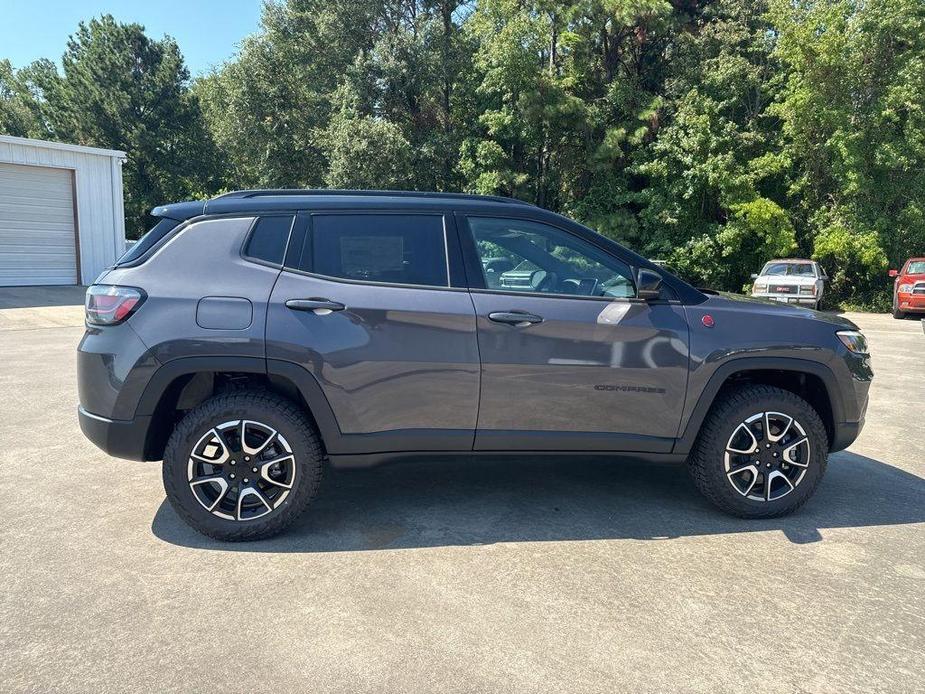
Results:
265 471
769 478
210 444
774 438
248 450
738 471
252 491
788 452
742 451
211 479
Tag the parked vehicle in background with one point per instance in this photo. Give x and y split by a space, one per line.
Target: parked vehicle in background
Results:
248 339
909 288
791 281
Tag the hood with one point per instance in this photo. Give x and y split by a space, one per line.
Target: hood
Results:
740 302
918 277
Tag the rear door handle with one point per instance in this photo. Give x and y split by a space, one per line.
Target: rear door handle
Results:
519 319
320 307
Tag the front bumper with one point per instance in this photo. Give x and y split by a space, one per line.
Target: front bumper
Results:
117 437
911 303
801 300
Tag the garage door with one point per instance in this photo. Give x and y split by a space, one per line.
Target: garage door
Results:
37 239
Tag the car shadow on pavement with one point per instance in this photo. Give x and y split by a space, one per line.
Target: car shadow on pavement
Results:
463 502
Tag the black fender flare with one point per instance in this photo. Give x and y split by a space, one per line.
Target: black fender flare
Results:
685 443
304 381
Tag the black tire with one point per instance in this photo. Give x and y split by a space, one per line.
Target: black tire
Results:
268 409
707 462
897 314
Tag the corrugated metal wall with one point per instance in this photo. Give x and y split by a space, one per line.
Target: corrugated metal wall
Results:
99 204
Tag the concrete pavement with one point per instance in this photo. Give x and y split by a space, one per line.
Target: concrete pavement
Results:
455 576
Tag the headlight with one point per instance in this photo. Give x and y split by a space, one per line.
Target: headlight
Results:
905 289
760 287
808 289
853 340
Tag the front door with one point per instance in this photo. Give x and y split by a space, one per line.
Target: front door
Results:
367 308
571 360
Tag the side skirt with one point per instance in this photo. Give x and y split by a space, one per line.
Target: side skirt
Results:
367 460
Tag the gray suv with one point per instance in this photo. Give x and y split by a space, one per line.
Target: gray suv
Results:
251 339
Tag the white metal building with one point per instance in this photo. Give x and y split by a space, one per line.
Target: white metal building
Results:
61 212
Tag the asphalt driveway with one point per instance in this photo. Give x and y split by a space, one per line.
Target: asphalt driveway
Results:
454 576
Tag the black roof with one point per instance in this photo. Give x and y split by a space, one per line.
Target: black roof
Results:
294 199
262 201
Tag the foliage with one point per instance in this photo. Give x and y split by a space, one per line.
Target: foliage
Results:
853 111
715 134
121 90
757 231
854 261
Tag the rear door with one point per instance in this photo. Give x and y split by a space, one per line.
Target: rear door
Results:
571 360
366 305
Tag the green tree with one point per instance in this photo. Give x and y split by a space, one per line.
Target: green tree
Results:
279 110
122 90
853 111
19 107
714 187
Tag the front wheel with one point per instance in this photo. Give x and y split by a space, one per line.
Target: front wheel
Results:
760 453
897 314
242 466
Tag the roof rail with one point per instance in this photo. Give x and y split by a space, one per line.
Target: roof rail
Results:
367 193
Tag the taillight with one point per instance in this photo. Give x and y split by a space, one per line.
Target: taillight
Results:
107 304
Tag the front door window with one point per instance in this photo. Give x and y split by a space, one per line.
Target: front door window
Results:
531 257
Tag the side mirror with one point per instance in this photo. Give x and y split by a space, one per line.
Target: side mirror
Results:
893 273
754 275
648 284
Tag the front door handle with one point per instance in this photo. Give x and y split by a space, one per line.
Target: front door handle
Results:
519 319
320 307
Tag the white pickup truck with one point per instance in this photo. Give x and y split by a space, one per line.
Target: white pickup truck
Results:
791 281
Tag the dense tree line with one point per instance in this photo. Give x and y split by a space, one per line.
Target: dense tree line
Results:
714 134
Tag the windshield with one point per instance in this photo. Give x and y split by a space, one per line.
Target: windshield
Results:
916 268
142 245
798 269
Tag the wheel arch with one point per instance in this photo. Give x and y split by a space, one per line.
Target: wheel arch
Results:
183 383
811 380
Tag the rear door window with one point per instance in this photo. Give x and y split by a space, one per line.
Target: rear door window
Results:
389 248
268 239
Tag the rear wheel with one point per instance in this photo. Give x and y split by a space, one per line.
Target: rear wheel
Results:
242 466
761 452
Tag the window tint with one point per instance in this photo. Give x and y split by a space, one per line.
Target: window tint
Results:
163 227
518 255
399 249
268 239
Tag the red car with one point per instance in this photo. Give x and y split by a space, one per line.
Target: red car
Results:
909 288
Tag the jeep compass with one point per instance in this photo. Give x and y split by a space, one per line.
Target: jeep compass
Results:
250 340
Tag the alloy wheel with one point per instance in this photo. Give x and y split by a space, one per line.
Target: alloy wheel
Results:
767 456
241 470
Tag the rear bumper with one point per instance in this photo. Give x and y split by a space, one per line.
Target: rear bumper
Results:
117 437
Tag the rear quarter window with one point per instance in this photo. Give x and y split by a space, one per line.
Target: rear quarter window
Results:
151 238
